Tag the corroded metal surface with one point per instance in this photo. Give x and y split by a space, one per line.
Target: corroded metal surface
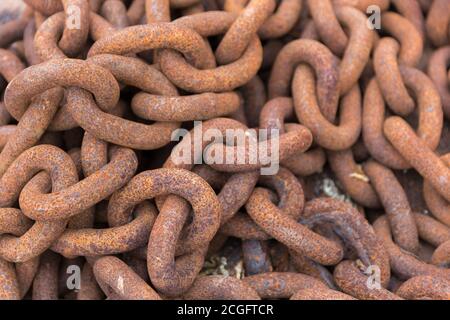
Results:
114 115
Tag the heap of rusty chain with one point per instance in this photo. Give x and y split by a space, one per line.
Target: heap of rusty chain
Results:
95 205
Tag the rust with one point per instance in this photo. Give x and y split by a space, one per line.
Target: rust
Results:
114 116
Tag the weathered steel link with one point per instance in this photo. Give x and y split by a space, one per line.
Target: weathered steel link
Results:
13 30
157 10
115 12
225 149
441 256
290 203
344 167
31 126
74 36
95 242
290 143
220 288
328 26
411 43
429 111
282 20
10 66
396 205
82 195
389 79
307 266
9 287
46 7
325 67
13 221
425 288
26 272
411 10
116 278
405 265
438 22
349 224
63 173
373 117
431 230
320 294
438 206
160 182
352 281
182 3
94 154
199 107
89 288
242 30
156 36
223 78
28 43
233 195
61 72
326 134
357 52
294 235
273 116
437 70
256 257
45 284
136 73
48 33
281 285
418 154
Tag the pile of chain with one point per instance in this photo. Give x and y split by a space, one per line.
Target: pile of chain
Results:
93 92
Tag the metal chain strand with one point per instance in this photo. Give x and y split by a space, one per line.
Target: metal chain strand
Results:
225 149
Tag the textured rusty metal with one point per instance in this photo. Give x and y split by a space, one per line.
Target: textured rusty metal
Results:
45 284
116 278
348 223
89 288
437 70
425 288
273 116
352 281
418 154
396 205
344 166
357 51
279 285
292 234
114 240
437 22
94 119
203 106
240 33
13 30
325 133
441 256
220 288
404 264
282 20
320 294
290 203
431 230
327 24
115 12
223 78
326 70
256 257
